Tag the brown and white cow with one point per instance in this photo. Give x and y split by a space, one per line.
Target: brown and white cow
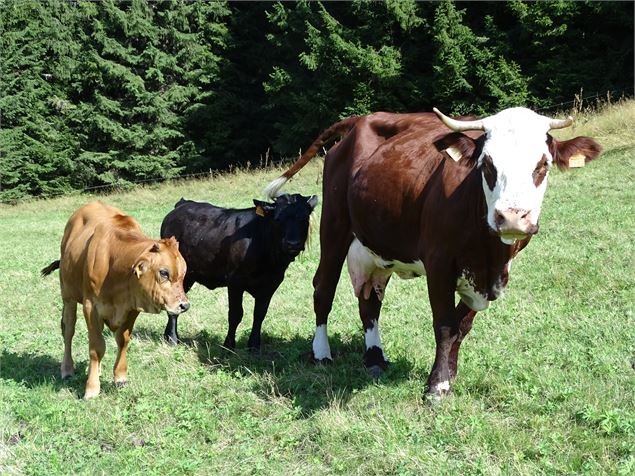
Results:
417 194
110 267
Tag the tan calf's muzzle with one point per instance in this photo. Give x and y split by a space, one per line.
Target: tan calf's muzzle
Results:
514 223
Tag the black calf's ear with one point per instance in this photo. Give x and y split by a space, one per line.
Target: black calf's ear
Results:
313 201
262 208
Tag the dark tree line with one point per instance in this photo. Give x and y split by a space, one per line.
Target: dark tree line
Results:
107 93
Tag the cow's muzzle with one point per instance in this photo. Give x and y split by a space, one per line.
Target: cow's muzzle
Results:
514 223
293 248
180 309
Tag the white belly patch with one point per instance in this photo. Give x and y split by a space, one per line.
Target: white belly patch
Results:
370 271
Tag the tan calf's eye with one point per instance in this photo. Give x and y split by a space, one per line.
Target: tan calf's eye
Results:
164 274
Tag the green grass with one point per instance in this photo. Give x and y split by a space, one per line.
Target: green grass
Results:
546 381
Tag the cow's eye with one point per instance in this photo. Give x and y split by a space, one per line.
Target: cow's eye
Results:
164 273
489 172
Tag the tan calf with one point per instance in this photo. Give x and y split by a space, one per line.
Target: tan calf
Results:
110 267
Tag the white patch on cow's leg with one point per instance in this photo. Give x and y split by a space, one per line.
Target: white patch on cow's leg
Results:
374 359
321 348
439 379
372 337
466 290
442 387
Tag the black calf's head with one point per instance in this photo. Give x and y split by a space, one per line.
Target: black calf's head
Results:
289 217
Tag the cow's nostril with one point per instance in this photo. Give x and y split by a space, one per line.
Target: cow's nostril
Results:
499 218
184 306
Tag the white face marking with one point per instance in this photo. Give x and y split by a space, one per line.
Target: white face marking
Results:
516 141
321 348
372 337
369 271
473 299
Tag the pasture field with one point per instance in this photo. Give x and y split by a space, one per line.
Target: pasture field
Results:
546 380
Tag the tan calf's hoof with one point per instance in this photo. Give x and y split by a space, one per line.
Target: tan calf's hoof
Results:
91 393
121 383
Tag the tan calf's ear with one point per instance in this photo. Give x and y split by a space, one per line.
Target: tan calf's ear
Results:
155 248
140 268
171 242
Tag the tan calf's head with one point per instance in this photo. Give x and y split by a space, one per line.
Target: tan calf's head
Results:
160 271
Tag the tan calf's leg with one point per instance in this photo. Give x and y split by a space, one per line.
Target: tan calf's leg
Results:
69 317
122 336
96 349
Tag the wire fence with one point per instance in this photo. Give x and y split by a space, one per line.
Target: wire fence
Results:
578 103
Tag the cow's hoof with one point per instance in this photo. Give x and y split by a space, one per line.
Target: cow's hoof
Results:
375 371
255 351
90 394
437 392
171 340
67 373
121 383
309 357
374 357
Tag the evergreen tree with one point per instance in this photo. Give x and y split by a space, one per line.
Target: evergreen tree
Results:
36 146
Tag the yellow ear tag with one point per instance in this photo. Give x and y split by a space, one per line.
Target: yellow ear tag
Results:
260 211
454 153
576 160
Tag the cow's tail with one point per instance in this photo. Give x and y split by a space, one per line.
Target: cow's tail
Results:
335 131
50 268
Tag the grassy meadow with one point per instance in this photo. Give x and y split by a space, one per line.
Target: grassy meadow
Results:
546 380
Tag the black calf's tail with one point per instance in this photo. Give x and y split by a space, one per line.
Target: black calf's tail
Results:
50 268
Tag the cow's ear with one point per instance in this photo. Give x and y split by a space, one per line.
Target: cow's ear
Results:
573 153
263 208
140 268
155 248
456 146
313 201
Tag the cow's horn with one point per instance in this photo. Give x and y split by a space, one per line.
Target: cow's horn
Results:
560 123
459 126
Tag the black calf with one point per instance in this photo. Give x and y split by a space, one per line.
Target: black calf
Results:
244 250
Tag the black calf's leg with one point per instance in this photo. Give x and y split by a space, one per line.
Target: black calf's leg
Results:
235 315
374 359
260 311
170 334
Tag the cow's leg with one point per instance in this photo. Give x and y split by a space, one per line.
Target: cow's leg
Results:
369 309
69 317
122 336
465 316
235 314
446 330
96 349
261 306
171 334
334 246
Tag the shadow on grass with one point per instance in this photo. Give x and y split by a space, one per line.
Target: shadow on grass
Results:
284 368
33 371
